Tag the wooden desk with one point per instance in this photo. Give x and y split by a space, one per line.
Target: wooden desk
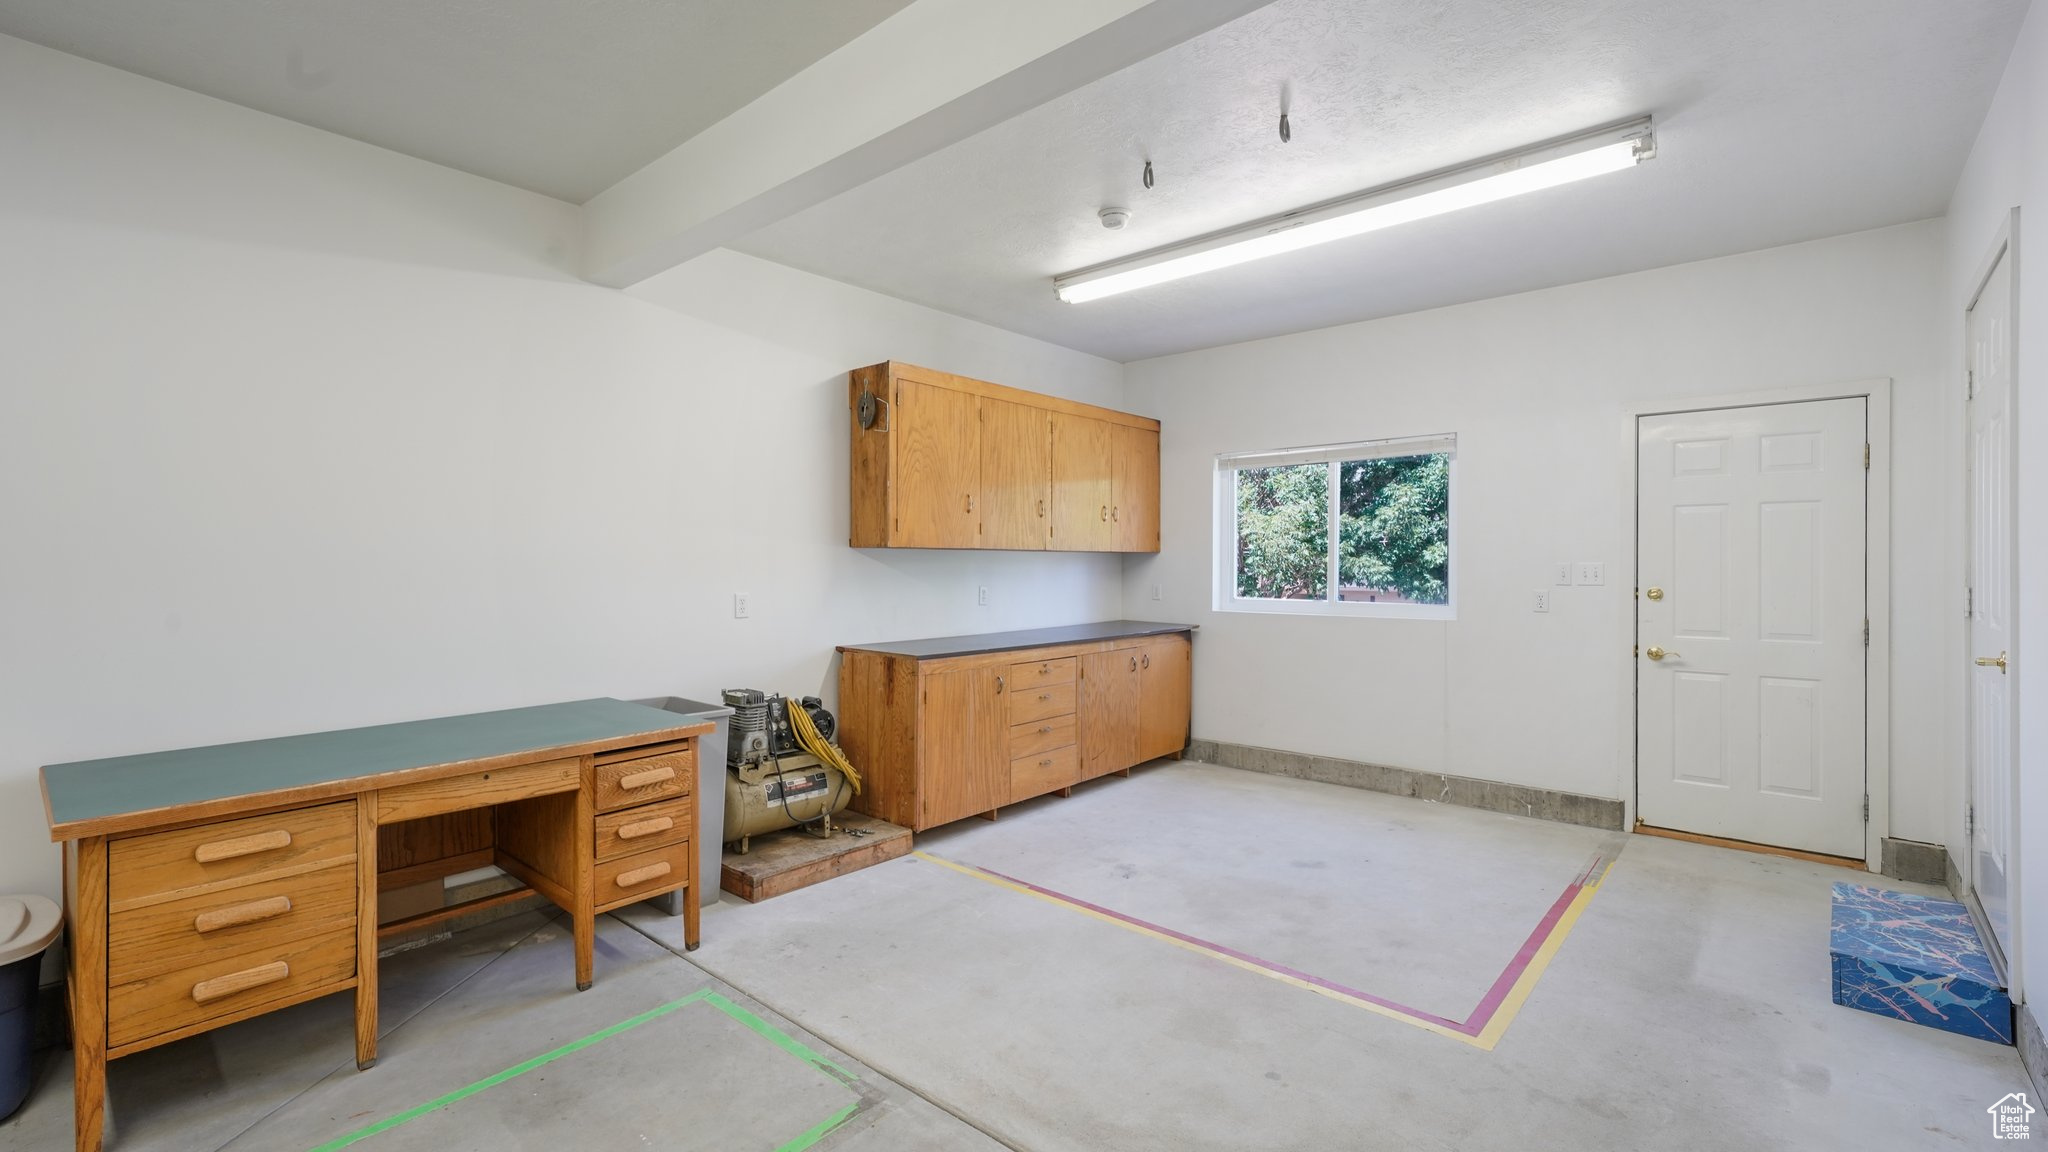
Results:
210 885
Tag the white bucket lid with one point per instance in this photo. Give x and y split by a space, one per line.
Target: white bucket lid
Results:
27 926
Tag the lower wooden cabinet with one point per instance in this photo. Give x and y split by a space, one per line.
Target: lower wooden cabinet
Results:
939 739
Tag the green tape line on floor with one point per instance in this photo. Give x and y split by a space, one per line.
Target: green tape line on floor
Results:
761 1027
777 1037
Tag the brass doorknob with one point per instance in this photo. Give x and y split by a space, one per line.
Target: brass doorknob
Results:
1656 653
1997 662
1654 594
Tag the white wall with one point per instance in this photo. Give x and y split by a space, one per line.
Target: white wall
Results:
1535 387
296 433
2008 168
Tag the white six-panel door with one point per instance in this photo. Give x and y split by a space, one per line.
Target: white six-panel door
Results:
1750 626
1988 337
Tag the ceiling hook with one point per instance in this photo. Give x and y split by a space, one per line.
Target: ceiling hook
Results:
1148 173
1286 132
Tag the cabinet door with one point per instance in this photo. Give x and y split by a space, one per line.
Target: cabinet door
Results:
1165 680
963 765
1016 475
938 467
1083 484
1107 708
1136 509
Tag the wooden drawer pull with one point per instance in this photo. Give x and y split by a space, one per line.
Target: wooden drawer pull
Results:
647 779
642 875
1045 731
639 828
207 991
249 913
220 850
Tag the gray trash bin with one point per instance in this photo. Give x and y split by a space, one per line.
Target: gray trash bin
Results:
27 926
710 799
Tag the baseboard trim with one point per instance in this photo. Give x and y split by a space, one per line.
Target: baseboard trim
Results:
1488 795
2033 1048
1914 860
1952 874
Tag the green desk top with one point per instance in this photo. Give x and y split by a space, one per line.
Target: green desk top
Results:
95 790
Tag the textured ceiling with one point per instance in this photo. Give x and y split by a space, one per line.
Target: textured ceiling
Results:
560 97
1778 122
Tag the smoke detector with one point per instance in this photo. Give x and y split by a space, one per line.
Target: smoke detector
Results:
1114 218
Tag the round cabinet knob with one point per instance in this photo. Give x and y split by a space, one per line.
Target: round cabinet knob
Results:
1654 594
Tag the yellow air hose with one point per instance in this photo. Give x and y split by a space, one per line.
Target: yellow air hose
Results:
827 752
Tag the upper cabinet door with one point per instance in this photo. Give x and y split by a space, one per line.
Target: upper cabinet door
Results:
1016 475
1135 512
1083 484
938 467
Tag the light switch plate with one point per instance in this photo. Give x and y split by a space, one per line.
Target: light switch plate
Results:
1156 593
1592 572
1542 600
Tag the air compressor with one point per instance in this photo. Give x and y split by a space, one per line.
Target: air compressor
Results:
782 768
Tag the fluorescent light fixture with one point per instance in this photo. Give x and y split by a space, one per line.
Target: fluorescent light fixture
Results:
1547 165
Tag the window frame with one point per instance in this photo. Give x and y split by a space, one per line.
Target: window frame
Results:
1224 587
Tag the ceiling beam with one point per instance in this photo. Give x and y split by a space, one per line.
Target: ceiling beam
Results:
936 72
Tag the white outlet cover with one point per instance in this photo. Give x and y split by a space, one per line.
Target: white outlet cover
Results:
739 605
1564 574
1592 572
1542 600
981 595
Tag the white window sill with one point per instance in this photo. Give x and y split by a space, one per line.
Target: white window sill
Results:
1360 608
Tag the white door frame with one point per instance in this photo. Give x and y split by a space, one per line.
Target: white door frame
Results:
2005 242
1877 585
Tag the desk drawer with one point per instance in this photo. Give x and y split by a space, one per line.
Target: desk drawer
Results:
1041 673
159 866
1036 775
649 826
478 789
229 983
1041 736
269 913
1030 702
644 874
624 783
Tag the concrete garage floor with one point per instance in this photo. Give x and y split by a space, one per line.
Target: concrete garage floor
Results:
1684 1004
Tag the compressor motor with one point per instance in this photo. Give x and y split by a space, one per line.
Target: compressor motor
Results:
781 772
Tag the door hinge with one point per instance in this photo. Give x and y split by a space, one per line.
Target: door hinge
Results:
1866 631
1866 457
1866 807
1969 383
1969 602
1970 820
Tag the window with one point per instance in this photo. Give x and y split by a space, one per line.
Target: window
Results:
1346 529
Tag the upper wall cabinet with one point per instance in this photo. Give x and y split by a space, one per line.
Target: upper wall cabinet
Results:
943 461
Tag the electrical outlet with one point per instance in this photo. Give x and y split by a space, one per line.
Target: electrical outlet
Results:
1156 593
1564 575
1542 600
739 605
1592 572
981 595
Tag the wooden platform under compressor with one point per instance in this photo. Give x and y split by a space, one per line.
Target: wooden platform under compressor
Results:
791 859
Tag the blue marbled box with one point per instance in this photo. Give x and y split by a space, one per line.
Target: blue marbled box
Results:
1916 958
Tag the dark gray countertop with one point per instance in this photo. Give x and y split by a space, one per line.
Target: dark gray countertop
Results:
943 646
